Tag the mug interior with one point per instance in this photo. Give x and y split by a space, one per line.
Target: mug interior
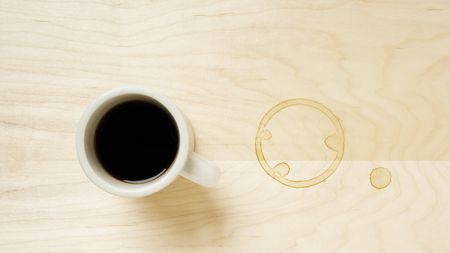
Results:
91 164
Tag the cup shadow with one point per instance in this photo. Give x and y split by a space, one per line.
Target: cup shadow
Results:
184 212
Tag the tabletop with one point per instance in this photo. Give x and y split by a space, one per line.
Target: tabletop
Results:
296 81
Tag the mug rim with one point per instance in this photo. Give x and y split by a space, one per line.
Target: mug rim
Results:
132 189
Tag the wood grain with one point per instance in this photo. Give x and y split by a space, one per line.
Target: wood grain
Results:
380 66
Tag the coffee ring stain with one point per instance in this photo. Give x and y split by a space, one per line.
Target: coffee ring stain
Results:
334 142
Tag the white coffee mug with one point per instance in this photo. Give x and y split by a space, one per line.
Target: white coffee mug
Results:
186 163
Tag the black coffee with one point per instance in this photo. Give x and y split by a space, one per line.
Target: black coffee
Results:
136 141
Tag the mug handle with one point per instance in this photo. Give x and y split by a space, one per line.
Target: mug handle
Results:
199 171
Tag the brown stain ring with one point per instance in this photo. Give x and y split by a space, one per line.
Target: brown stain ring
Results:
334 142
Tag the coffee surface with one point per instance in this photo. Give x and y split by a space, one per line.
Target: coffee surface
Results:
136 141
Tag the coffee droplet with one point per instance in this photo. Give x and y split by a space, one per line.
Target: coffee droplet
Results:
267 135
282 169
333 142
380 177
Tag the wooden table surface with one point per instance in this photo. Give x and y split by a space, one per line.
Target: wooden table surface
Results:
382 67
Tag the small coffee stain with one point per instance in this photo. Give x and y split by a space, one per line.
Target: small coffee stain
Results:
334 142
380 177
267 135
281 169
